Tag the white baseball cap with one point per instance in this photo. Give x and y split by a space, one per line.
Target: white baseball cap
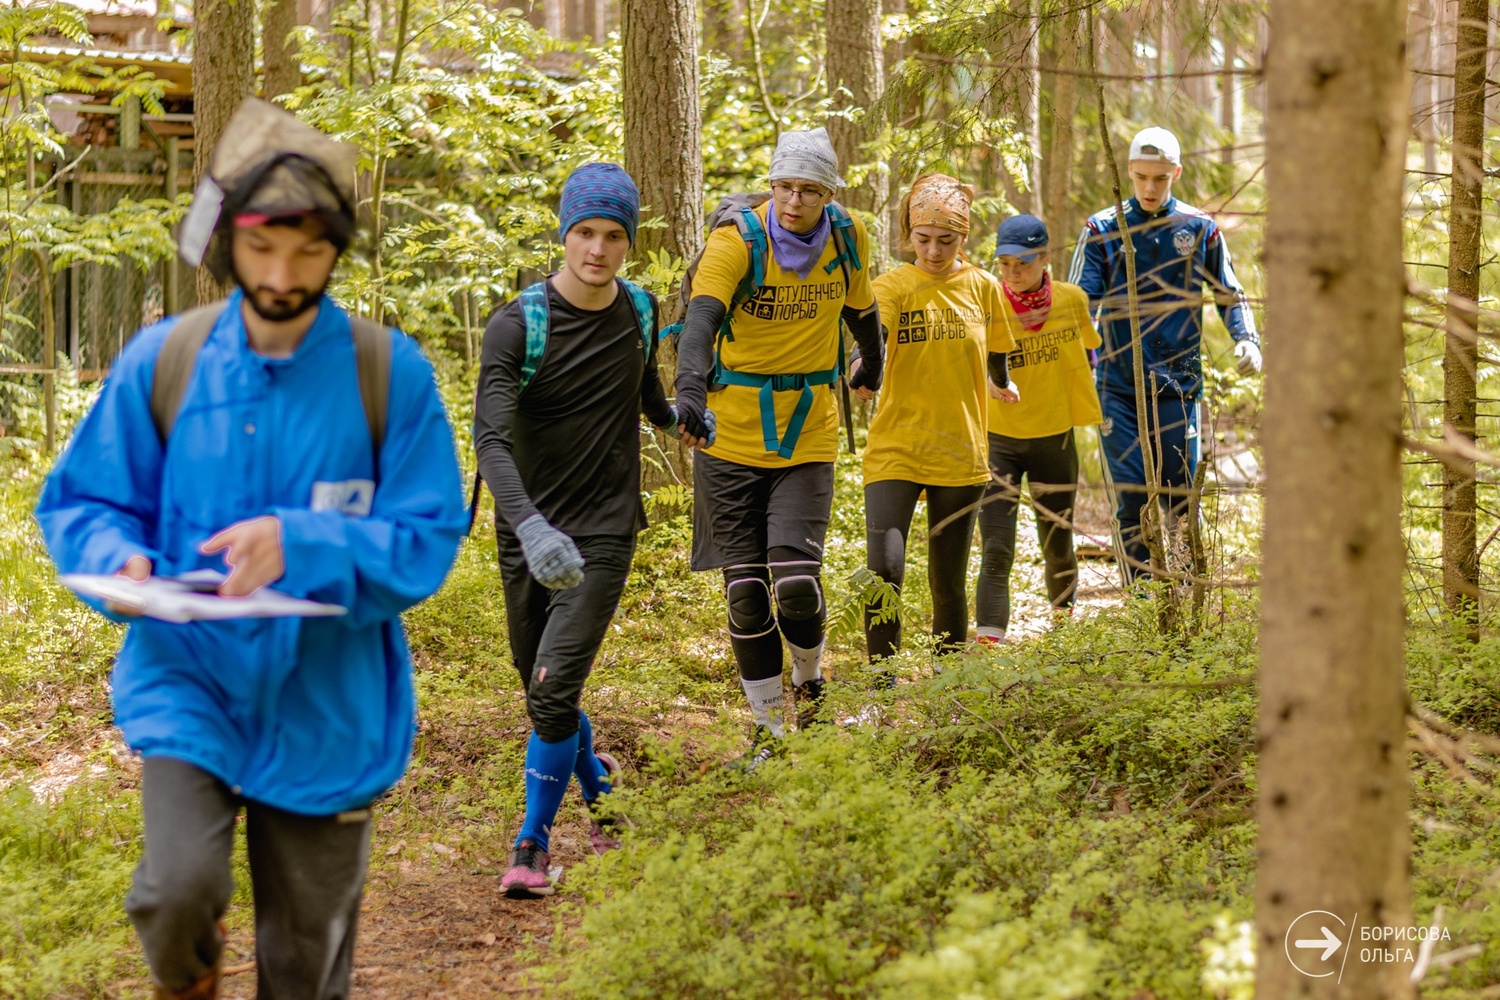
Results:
1156 143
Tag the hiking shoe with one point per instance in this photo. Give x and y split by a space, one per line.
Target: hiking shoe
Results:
763 746
599 827
528 877
809 698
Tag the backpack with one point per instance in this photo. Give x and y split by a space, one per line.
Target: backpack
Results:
179 356
738 210
537 313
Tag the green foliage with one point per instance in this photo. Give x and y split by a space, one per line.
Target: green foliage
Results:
58 861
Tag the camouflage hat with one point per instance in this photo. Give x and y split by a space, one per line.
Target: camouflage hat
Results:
268 165
255 164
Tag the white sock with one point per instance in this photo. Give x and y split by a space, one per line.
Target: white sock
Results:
765 703
806 663
991 632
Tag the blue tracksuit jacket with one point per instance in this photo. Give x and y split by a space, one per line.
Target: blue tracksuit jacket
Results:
1179 249
313 715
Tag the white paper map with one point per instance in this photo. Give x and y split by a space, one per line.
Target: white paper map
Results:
173 600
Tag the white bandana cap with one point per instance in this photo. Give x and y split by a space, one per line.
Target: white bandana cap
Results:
806 156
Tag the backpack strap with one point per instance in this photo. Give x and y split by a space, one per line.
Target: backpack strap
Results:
645 314
179 356
844 242
535 312
372 360
175 363
758 243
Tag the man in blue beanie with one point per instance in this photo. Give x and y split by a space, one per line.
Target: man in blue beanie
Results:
567 368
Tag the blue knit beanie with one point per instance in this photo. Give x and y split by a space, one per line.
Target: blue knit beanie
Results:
599 191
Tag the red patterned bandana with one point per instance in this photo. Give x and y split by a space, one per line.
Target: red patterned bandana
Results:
1032 307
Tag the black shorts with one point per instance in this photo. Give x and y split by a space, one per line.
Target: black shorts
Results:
741 512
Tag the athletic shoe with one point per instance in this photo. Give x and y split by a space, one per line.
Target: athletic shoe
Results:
599 837
763 746
809 698
528 877
990 641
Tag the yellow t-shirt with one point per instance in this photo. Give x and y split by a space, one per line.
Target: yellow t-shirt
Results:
930 424
1050 367
790 326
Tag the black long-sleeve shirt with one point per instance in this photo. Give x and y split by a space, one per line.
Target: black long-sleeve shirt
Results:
569 446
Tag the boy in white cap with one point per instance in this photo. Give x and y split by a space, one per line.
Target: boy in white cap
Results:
764 489
1179 249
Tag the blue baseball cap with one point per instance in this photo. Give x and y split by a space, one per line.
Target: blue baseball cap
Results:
1022 236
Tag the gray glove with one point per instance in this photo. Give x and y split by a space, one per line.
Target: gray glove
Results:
1247 357
550 555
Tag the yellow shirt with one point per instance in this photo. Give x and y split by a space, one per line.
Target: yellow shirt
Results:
1050 367
930 424
790 326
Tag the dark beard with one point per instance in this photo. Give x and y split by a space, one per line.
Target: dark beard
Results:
292 304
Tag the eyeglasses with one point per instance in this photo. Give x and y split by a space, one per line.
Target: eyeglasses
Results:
804 195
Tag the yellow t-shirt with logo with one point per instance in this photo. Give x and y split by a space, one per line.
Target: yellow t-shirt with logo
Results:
930 424
790 326
1050 367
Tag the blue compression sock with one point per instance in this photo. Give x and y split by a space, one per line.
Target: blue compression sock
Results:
548 768
592 777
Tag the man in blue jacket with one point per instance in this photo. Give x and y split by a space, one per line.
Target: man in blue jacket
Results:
1179 249
272 469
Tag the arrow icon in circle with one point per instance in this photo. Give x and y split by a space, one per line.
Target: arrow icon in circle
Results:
1328 942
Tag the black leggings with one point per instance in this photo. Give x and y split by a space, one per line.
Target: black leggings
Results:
1050 465
889 506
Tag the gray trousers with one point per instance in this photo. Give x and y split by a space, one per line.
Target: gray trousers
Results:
307 873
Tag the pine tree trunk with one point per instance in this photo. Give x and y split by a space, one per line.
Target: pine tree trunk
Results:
283 65
1228 90
223 76
1030 124
856 79
663 143
1063 145
1461 350
1333 764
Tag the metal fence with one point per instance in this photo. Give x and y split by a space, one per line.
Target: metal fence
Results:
96 308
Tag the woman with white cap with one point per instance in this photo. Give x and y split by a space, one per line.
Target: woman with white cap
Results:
945 338
763 488
1054 339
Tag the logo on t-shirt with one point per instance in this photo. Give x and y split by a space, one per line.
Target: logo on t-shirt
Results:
920 325
1044 347
787 303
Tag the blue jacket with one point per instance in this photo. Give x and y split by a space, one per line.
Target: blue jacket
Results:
1179 249
310 715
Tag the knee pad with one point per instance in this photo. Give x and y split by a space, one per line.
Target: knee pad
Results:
747 589
799 589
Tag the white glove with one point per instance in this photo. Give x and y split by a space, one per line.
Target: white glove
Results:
1247 354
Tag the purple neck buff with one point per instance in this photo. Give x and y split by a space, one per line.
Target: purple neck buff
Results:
799 252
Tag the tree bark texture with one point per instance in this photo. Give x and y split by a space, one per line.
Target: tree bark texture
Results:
663 143
1031 107
856 79
1062 142
1332 736
283 66
1461 347
223 76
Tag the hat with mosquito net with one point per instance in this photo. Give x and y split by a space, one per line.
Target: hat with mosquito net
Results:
269 167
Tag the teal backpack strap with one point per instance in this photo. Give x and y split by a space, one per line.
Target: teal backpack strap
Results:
534 311
844 241
757 242
645 313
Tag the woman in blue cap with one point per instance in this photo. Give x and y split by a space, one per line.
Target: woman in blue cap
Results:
567 368
1033 439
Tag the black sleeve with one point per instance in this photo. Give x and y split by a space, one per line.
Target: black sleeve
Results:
865 326
999 366
653 396
495 402
695 348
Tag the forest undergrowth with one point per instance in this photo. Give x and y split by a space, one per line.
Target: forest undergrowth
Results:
1070 817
